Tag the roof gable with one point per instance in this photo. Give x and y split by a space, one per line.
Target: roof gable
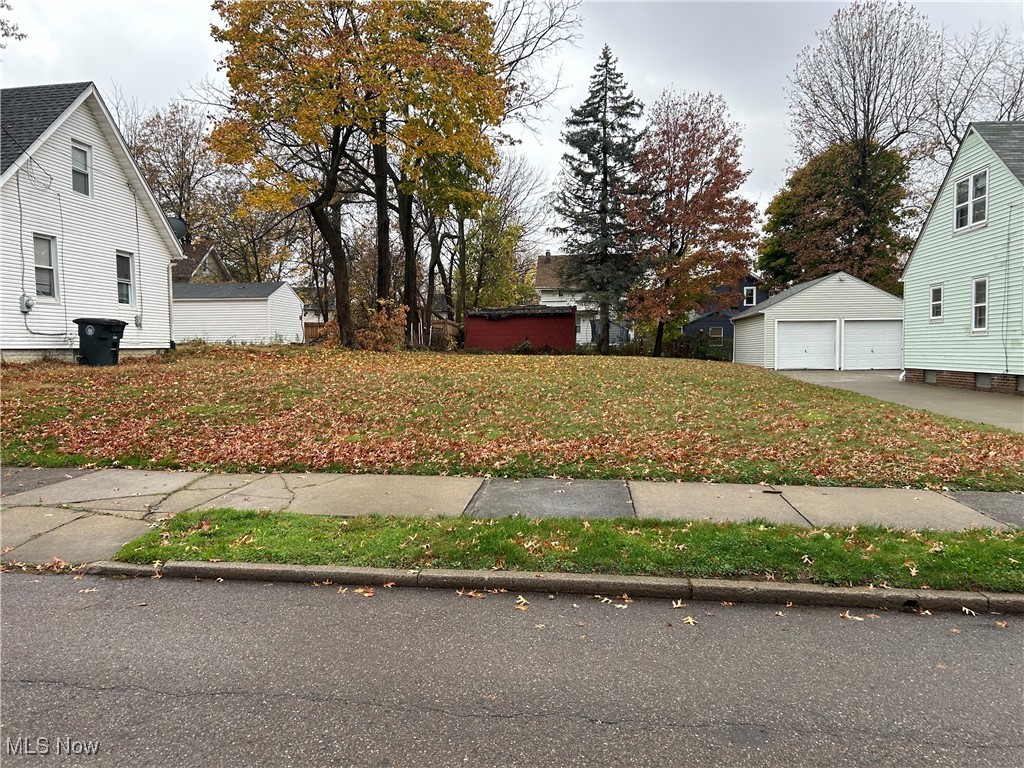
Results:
796 290
26 113
16 106
1007 144
210 291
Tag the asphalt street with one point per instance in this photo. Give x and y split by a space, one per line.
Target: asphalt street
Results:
162 672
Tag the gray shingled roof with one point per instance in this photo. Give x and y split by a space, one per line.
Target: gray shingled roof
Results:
788 293
1007 141
25 113
224 290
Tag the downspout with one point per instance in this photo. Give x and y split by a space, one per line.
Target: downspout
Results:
170 303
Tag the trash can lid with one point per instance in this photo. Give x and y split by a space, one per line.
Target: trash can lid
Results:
99 321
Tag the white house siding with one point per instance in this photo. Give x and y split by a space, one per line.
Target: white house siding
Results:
89 231
839 297
285 316
234 321
953 260
748 341
585 312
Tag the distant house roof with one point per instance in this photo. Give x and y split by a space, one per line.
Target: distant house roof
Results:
786 294
549 271
1007 140
525 310
194 255
225 290
25 113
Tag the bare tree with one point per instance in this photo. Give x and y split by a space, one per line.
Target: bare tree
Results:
8 29
866 81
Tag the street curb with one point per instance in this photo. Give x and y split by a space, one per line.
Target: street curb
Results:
584 584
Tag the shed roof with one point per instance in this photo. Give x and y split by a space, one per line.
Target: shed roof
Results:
524 310
225 290
25 113
1007 140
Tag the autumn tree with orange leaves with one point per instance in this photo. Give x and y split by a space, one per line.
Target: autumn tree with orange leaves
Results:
687 221
334 99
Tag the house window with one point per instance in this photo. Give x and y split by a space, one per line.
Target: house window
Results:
936 313
980 305
81 169
971 200
46 266
749 296
125 292
716 335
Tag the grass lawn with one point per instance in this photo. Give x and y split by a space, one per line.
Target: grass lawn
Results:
983 559
306 409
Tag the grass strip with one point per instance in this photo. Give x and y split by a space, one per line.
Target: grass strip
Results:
858 556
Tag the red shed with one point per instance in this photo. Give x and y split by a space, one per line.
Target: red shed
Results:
546 328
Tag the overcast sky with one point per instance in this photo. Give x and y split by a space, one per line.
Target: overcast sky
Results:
154 50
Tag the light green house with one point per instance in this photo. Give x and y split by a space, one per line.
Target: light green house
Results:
963 296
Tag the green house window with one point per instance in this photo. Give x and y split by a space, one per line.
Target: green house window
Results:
971 200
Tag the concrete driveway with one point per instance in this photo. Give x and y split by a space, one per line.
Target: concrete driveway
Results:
1006 411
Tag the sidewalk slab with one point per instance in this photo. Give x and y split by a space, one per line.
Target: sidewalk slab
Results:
264 493
182 501
136 507
889 507
1006 508
718 502
94 537
19 479
390 495
226 482
105 484
544 497
21 524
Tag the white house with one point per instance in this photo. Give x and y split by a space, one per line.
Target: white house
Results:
555 293
82 234
836 322
237 313
963 322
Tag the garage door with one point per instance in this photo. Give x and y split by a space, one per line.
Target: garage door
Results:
871 344
806 344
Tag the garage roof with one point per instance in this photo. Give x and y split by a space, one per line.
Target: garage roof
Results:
225 290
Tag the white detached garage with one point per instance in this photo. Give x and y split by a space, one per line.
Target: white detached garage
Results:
237 313
837 322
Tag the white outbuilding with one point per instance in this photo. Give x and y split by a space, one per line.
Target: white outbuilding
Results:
837 322
237 313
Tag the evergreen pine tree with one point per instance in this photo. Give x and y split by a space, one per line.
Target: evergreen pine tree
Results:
596 174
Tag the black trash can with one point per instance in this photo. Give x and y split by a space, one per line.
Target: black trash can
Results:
99 340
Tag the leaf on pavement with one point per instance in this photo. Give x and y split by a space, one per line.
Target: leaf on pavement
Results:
690 620
678 604
850 616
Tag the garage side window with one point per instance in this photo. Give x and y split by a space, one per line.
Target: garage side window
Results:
980 305
936 313
46 266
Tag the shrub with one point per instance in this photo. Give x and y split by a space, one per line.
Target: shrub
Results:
385 330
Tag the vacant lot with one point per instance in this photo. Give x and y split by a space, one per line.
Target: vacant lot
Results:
304 409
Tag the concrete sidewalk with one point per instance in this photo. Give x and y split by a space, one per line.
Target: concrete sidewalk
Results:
87 515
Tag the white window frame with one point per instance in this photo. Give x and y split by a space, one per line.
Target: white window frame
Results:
971 200
975 304
749 296
52 241
130 282
932 303
716 340
87 171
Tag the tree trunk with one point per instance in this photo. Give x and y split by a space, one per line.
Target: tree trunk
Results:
410 287
380 194
605 332
330 230
658 338
460 304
